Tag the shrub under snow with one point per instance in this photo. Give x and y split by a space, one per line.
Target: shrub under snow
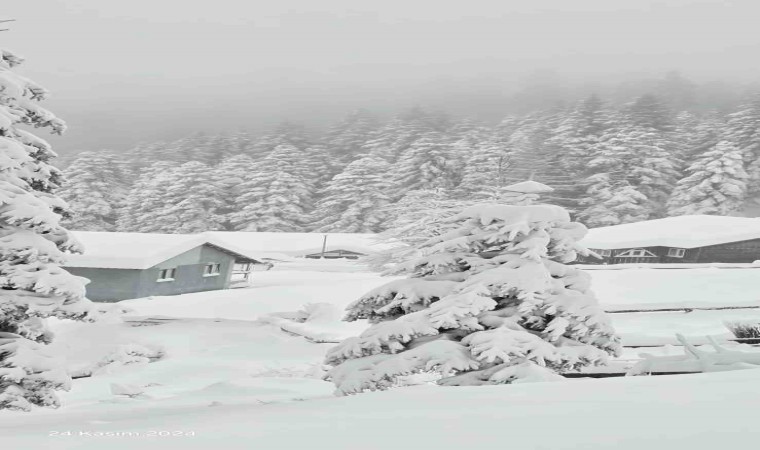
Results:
748 332
489 302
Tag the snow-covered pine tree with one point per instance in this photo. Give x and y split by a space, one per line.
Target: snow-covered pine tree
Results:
652 166
229 177
345 140
579 131
95 187
420 215
716 183
393 139
415 218
535 156
425 164
491 302
144 199
274 196
609 201
173 199
647 111
353 200
743 131
32 247
286 133
192 200
485 170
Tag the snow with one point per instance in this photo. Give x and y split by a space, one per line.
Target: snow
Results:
300 244
679 231
141 250
529 187
697 287
230 376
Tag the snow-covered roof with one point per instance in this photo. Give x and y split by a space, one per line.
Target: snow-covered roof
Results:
680 231
300 244
142 250
529 187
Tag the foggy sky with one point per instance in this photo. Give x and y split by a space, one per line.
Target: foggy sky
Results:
141 70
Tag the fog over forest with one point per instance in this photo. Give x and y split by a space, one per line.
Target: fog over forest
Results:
142 71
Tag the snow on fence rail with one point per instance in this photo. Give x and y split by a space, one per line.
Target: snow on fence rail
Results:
621 309
753 265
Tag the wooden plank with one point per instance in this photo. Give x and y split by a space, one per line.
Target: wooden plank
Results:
681 309
617 374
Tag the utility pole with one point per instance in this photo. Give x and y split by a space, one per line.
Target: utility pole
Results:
324 247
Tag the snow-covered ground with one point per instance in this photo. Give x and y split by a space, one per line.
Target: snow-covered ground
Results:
233 376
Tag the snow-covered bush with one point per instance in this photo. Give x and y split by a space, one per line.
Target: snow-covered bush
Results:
29 374
748 332
491 301
125 355
32 247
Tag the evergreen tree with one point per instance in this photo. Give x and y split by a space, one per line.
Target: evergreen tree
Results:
427 163
95 187
716 183
173 199
147 195
648 111
345 140
535 156
485 171
611 202
579 131
392 140
274 196
353 200
609 198
286 133
652 166
32 247
228 178
490 302
743 131
192 201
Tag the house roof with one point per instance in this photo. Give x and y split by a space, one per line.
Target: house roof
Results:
681 231
300 244
142 250
529 187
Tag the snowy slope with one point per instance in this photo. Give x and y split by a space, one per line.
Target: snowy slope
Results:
236 379
695 412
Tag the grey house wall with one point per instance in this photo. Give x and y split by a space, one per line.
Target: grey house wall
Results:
729 252
110 285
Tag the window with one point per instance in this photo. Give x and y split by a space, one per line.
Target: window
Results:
166 275
636 253
241 272
676 252
605 253
211 270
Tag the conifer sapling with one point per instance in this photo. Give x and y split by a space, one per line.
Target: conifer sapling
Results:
490 301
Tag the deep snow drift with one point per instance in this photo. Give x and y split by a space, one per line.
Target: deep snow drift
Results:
231 375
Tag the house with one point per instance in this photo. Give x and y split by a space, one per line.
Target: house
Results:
335 254
278 246
680 239
131 265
